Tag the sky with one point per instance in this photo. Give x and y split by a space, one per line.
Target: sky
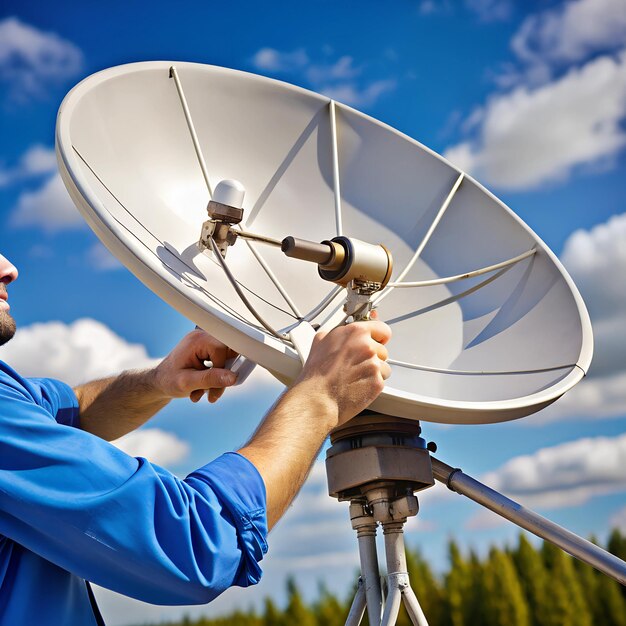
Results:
529 97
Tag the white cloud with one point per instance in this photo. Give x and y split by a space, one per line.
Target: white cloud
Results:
101 259
490 10
75 353
571 32
49 208
618 519
342 69
484 519
36 161
32 60
156 445
566 475
592 398
39 160
272 60
531 136
350 93
339 79
596 260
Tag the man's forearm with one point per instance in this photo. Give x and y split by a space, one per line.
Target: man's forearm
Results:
286 443
112 407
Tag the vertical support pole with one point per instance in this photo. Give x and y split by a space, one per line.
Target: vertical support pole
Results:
365 525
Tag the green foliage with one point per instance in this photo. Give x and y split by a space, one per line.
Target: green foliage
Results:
520 586
567 605
503 597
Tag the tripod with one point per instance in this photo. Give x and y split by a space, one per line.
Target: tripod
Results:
377 462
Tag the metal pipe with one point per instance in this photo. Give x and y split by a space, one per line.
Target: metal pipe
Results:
472 274
370 575
244 234
397 574
392 607
413 608
192 130
578 547
320 253
357 609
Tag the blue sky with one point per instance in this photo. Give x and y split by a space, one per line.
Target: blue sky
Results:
529 97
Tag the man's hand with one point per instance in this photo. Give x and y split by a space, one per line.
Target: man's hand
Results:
349 365
344 374
112 407
183 373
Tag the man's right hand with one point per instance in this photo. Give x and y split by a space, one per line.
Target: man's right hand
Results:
349 365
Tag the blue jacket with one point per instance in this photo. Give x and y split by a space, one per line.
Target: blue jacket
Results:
74 507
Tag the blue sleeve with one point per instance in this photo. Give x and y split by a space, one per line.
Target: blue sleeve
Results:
124 523
56 397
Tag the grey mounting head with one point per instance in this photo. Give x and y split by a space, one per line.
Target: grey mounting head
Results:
225 209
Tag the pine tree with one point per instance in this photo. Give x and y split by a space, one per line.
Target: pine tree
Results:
533 578
566 602
617 546
603 596
297 613
475 603
428 589
504 598
272 616
328 610
457 588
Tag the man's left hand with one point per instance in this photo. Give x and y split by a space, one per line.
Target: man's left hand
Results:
183 373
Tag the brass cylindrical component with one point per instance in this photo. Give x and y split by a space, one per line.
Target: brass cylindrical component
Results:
363 262
320 253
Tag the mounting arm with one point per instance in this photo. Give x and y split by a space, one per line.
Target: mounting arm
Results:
578 547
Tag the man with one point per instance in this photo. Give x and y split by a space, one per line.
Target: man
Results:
75 508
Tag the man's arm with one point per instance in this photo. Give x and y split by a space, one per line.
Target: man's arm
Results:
112 407
135 528
344 374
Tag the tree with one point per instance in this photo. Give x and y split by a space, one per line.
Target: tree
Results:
504 599
566 604
533 578
617 546
457 586
328 610
297 613
272 616
603 596
427 587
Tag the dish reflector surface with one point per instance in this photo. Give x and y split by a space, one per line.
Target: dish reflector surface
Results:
498 345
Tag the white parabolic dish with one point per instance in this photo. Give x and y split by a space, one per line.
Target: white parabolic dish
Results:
492 347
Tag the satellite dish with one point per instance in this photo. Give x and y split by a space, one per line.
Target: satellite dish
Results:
490 326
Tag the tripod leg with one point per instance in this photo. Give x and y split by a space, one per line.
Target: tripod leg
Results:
398 578
392 607
358 606
413 608
369 572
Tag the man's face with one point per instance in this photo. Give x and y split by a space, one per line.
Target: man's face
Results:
8 274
